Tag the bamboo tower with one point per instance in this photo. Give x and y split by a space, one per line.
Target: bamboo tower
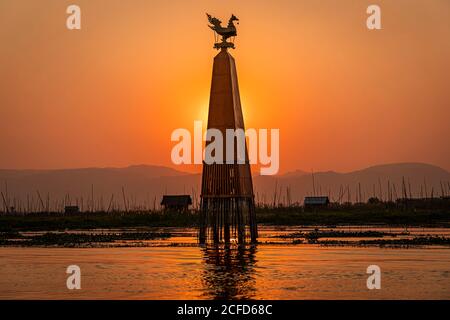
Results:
227 199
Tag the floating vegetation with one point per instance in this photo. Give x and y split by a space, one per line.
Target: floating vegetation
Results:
345 234
10 235
316 234
175 237
416 241
76 239
392 238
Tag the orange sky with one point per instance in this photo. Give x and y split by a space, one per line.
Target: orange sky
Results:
342 96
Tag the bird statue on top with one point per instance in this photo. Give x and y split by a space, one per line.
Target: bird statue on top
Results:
228 32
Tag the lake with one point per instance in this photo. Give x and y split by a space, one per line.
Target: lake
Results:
179 269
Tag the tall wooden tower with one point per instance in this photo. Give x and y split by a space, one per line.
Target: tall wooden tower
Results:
227 200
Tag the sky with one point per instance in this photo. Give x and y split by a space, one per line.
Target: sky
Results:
344 97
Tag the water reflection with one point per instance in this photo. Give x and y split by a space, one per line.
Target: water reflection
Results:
229 271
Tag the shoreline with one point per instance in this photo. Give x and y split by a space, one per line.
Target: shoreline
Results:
378 216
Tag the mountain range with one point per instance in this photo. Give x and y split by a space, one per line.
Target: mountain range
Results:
143 185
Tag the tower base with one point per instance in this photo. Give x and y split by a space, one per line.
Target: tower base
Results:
228 220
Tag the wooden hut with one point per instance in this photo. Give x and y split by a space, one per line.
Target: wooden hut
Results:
316 202
176 202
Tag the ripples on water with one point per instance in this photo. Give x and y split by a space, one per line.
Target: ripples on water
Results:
279 271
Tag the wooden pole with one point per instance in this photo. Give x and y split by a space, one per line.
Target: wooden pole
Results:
5 203
110 203
124 200
40 199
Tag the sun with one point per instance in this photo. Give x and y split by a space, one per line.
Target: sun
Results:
201 113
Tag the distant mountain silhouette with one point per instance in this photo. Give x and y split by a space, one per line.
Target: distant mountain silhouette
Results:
419 178
296 173
145 184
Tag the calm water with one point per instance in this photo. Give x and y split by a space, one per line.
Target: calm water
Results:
276 271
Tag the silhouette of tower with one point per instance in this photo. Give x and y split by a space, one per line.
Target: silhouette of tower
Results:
227 200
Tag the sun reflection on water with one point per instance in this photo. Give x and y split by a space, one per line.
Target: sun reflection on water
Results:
229 271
